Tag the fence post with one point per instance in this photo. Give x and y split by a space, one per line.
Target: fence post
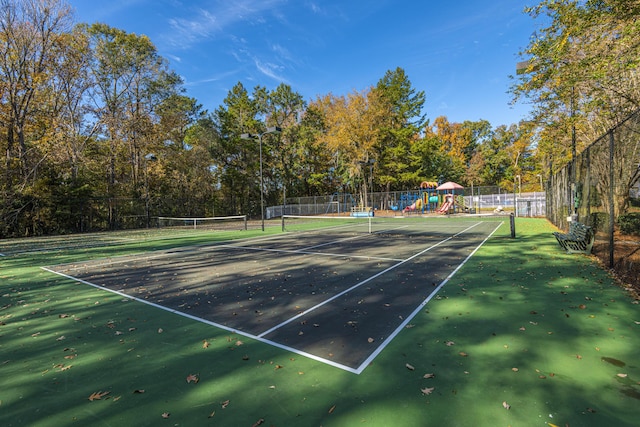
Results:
512 223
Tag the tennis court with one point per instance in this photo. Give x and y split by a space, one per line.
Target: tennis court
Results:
337 291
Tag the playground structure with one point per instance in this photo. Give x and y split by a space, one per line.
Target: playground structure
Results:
430 198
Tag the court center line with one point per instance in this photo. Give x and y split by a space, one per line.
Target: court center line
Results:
357 285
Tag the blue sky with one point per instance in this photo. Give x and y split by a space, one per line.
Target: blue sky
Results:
459 52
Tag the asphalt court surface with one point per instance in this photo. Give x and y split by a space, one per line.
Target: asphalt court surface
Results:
336 298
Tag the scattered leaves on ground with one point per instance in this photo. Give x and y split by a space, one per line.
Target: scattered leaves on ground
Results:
505 405
193 378
332 409
225 404
427 376
166 415
427 390
205 344
97 395
410 367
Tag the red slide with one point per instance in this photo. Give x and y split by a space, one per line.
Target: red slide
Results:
445 207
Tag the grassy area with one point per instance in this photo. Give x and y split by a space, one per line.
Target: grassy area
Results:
523 335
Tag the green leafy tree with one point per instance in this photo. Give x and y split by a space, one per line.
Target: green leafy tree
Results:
401 122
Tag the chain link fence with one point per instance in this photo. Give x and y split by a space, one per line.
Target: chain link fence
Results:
483 199
599 186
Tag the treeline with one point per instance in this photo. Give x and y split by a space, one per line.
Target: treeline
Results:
97 133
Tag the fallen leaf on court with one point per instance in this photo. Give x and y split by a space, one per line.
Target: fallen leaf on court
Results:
514 369
160 330
97 395
138 391
225 404
427 390
212 414
450 343
205 344
165 415
278 367
257 423
552 425
370 340
409 367
505 405
463 354
193 378
427 376
522 328
332 409
62 337
239 343
622 375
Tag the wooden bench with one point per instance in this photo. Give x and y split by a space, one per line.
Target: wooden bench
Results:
579 239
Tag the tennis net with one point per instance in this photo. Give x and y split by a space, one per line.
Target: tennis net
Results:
219 223
399 226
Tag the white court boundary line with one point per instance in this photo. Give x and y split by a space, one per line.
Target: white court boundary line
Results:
261 338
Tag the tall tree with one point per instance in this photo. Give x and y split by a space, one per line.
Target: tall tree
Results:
282 108
402 121
583 76
129 76
236 158
29 30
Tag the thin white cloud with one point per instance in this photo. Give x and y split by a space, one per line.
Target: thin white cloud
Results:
213 78
205 23
270 70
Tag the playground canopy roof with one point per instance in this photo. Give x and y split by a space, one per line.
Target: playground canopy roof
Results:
450 186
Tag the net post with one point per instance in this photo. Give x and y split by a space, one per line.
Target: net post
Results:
512 222
245 222
369 218
283 222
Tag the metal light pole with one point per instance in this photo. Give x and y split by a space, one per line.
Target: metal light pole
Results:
147 196
273 129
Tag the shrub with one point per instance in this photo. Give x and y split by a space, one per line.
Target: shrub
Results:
629 223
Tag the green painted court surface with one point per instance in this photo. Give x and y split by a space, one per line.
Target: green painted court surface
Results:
520 325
